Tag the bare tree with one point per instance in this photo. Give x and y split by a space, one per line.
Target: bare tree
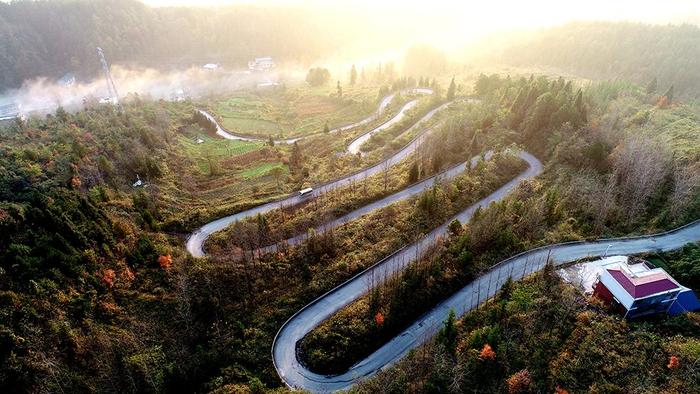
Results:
686 184
386 166
640 165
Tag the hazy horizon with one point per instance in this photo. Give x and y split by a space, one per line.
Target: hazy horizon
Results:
445 23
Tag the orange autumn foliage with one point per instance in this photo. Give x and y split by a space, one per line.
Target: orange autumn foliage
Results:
379 318
127 275
165 261
75 182
108 277
673 362
519 382
560 390
487 354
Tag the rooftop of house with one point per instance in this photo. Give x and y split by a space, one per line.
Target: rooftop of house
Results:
636 277
645 283
632 279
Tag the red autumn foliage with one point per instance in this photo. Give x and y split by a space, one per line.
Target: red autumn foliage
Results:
487 354
519 382
108 277
560 390
379 318
165 261
673 362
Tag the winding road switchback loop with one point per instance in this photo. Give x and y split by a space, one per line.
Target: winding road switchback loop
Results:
383 104
284 348
195 242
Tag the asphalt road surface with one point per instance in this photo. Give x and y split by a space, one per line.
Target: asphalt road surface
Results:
196 240
230 135
403 194
295 375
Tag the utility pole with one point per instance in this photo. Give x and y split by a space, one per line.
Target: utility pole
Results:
111 88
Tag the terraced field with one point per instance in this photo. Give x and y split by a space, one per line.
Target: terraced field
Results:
295 112
215 149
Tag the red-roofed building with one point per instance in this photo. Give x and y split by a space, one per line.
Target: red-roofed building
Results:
636 289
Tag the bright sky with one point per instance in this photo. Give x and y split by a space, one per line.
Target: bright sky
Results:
468 18
528 12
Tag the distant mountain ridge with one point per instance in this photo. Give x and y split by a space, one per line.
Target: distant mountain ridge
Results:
52 38
612 50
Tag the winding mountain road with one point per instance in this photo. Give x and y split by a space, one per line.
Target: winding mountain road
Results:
295 375
284 355
383 104
196 240
284 349
403 194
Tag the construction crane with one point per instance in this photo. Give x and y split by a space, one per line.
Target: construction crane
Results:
111 88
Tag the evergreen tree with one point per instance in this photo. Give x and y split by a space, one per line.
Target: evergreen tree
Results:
581 116
326 129
506 290
339 89
263 229
413 172
473 146
353 75
652 86
451 90
669 95
539 119
318 76
297 158
454 228
448 333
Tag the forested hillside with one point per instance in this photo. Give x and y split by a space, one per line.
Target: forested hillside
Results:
607 50
53 38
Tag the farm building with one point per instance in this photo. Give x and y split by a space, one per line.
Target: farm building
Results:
636 288
261 64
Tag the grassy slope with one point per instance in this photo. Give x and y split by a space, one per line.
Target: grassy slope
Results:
296 111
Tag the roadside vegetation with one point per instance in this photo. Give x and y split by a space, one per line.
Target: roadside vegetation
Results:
86 276
98 292
96 289
232 175
568 202
416 216
282 224
541 335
